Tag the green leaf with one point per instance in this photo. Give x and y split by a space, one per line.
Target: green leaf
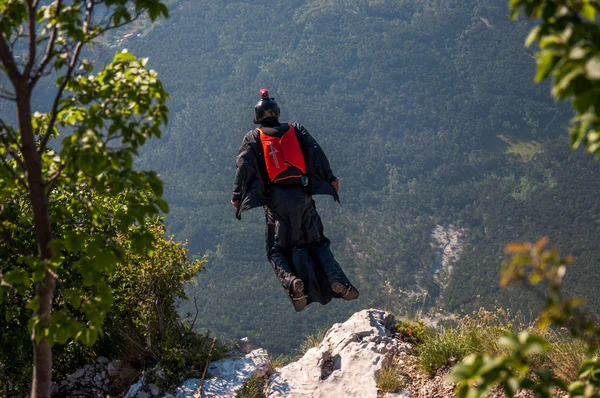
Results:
546 63
511 386
533 35
16 277
164 207
515 8
123 56
88 336
33 304
588 11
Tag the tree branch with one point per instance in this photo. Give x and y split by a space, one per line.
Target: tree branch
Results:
32 38
8 60
20 34
54 112
7 96
49 53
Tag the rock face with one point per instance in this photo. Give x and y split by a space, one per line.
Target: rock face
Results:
346 363
449 241
228 376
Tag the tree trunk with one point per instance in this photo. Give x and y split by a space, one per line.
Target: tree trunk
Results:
42 353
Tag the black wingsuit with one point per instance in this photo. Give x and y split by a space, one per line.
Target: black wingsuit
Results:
295 244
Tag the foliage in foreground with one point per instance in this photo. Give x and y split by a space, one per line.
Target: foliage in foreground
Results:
142 329
516 369
569 39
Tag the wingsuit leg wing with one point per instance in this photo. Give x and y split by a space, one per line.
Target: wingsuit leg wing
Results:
297 248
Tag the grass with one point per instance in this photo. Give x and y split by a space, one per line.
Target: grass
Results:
524 149
440 348
253 388
565 355
312 340
389 379
281 360
475 333
479 332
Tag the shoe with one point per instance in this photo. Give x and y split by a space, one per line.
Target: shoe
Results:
347 292
298 297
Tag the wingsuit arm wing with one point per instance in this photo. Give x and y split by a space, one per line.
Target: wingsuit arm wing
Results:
246 170
321 161
318 161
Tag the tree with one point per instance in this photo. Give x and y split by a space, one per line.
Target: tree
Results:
109 115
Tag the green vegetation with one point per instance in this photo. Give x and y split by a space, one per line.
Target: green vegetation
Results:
142 329
414 332
428 114
538 360
481 334
312 340
253 388
442 348
388 379
78 222
280 361
475 333
526 150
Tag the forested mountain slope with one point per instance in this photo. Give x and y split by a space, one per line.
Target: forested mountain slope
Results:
429 115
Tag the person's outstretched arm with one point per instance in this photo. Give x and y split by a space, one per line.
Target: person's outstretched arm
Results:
321 163
245 172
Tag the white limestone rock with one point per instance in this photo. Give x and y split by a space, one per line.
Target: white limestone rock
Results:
134 389
228 376
345 364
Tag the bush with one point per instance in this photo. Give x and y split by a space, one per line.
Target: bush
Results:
143 328
147 287
541 361
413 332
146 328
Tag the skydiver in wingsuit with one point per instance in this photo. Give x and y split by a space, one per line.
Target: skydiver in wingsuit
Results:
280 167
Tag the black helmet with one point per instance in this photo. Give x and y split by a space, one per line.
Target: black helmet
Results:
265 104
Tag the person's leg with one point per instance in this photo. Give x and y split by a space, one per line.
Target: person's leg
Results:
278 247
321 249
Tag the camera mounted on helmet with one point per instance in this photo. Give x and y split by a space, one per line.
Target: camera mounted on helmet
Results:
266 104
